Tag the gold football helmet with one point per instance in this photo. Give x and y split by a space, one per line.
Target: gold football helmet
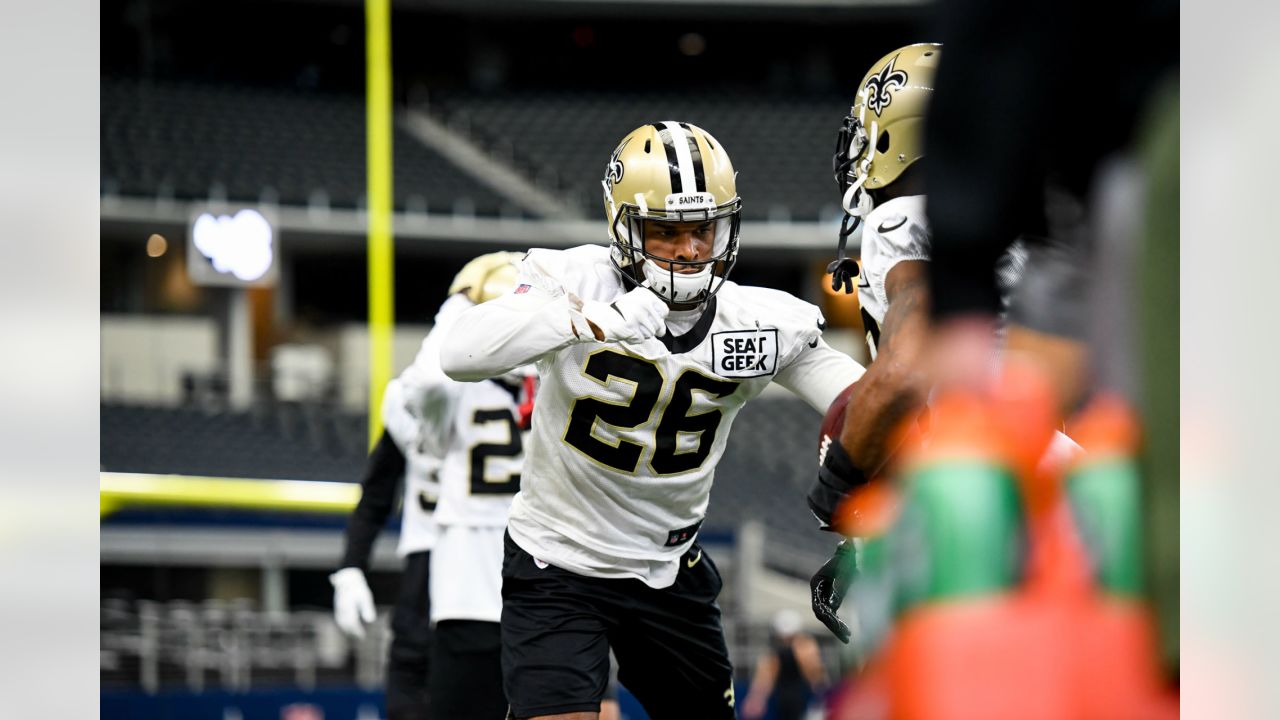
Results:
672 172
487 276
884 131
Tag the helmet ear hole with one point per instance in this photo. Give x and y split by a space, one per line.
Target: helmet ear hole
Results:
882 144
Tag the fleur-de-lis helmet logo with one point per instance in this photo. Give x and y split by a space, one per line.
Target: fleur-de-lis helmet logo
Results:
879 85
614 170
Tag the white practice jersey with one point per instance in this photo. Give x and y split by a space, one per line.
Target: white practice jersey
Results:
485 454
418 529
898 230
476 428
466 574
626 437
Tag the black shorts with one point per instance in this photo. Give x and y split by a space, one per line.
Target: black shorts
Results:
557 628
466 676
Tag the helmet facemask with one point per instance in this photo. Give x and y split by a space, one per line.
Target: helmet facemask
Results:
682 290
851 163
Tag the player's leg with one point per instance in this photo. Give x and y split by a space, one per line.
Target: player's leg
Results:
410 656
466 678
671 650
555 653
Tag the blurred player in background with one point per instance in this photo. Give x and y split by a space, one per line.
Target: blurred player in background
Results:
396 456
463 445
1011 154
646 353
879 167
1060 522
791 673
478 429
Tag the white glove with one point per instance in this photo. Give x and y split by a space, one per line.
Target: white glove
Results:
352 601
634 317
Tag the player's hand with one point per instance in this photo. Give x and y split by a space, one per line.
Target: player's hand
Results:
634 317
352 601
829 585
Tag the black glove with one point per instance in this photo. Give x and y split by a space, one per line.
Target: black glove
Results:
837 477
829 585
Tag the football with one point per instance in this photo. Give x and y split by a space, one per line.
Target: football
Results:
833 422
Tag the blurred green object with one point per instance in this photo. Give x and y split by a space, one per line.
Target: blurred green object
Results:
964 521
1106 503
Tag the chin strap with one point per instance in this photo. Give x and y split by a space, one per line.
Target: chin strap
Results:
857 205
844 268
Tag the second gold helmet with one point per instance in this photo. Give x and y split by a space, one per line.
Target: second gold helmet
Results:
883 134
487 276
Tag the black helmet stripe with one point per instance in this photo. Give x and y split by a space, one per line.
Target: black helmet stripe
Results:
699 175
673 162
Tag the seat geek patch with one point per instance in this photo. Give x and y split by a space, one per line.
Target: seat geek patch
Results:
745 353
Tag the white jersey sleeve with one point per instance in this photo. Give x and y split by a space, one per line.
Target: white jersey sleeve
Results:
524 325
807 365
429 395
397 419
819 373
418 529
896 231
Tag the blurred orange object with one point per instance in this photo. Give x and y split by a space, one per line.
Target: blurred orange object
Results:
1054 646
868 511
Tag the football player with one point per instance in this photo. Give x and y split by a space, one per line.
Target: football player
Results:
396 456
478 429
464 448
646 351
879 167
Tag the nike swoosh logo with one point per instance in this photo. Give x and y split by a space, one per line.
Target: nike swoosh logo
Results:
886 227
695 561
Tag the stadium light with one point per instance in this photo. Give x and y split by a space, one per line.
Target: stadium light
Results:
232 250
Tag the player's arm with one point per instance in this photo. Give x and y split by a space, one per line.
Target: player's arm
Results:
383 472
423 417
819 373
498 336
895 385
352 600
891 389
533 320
